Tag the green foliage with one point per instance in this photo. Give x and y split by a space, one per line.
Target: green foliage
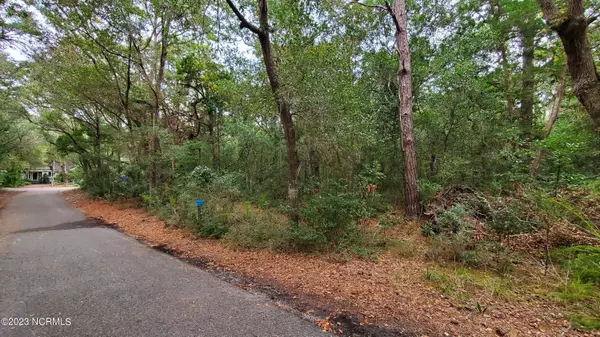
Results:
12 178
594 186
307 238
371 174
212 225
427 190
582 262
202 176
200 122
585 322
577 291
451 221
257 230
329 216
514 215
401 248
76 175
463 284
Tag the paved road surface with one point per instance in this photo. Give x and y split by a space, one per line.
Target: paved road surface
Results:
53 264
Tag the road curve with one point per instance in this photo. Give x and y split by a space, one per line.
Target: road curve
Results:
59 276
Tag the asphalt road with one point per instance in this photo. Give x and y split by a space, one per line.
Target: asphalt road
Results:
92 281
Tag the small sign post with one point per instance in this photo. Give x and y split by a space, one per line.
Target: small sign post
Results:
199 204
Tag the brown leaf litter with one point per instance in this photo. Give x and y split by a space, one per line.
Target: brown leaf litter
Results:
5 195
391 293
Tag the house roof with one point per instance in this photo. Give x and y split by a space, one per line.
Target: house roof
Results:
53 166
41 168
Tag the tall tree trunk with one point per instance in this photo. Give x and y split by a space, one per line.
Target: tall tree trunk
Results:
528 45
432 166
156 88
499 14
213 138
313 159
560 93
510 104
285 115
409 158
65 177
571 26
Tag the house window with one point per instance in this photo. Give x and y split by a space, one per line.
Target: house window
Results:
35 176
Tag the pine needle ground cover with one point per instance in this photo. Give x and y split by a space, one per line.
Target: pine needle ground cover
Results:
401 289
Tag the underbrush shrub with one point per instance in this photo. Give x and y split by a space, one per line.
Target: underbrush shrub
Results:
458 235
477 254
125 187
401 248
227 186
463 284
490 255
219 217
76 175
427 190
202 176
306 238
450 221
12 178
449 248
510 216
330 217
582 262
251 230
593 186
213 218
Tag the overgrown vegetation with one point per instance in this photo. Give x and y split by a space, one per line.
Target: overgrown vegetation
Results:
293 142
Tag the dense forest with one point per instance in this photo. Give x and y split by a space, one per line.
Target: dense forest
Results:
299 123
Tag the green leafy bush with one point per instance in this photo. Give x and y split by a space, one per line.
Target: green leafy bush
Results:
331 215
427 190
371 174
306 238
251 229
451 221
202 175
13 178
227 186
212 220
512 216
593 186
489 255
76 175
213 227
449 248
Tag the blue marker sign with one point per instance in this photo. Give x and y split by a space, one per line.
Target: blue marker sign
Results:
199 203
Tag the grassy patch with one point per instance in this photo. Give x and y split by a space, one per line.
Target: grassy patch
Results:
256 230
401 248
585 322
463 284
581 290
582 262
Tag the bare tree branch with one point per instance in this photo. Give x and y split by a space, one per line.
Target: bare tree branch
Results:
387 8
243 21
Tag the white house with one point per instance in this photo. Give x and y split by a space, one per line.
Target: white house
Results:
36 174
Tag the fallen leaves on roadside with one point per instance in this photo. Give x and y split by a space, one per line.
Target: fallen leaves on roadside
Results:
392 292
